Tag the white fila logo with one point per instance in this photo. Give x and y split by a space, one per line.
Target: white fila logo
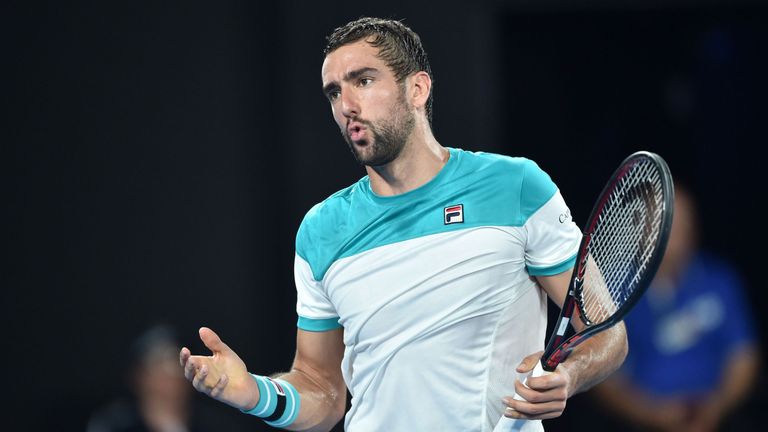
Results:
453 214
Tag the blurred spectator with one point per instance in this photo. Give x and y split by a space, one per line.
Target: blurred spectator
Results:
692 352
161 399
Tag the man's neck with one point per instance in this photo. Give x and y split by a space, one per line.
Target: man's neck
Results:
419 162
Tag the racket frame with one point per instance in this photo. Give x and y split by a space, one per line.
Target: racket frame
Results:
564 338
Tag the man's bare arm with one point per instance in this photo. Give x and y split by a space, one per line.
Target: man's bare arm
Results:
316 375
597 357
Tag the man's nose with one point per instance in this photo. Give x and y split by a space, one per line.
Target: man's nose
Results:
350 105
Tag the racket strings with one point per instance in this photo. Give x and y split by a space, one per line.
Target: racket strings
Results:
614 279
623 241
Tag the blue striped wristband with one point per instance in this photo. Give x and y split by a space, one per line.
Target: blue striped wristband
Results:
278 402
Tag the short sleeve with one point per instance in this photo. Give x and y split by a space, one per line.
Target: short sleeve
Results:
316 313
552 238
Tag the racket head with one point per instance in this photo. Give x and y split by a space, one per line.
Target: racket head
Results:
644 176
631 220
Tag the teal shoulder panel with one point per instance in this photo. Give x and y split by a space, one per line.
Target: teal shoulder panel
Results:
537 189
324 223
491 190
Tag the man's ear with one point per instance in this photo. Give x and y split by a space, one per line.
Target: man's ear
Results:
419 88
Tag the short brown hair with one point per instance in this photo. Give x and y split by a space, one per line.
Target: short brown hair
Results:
399 47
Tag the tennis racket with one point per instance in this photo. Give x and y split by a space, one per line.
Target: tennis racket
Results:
620 251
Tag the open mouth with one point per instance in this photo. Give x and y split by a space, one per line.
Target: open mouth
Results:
356 133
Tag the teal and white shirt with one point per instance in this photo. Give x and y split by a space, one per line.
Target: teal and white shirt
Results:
434 290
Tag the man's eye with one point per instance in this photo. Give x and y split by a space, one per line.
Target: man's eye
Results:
332 96
365 81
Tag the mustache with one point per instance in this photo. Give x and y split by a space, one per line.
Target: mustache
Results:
358 120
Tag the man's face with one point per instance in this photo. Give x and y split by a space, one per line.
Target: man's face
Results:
368 104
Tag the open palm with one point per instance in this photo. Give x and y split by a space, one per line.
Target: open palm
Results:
222 375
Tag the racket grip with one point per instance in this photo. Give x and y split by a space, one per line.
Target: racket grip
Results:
508 424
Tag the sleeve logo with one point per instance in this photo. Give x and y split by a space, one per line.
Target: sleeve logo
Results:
277 386
453 214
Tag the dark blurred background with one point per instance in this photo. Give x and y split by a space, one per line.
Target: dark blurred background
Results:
158 157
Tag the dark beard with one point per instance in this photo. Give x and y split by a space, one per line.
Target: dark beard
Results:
388 137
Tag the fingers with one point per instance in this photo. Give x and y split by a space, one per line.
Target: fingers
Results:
198 382
541 390
190 368
544 397
212 340
184 356
529 362
546 382
219 387
202 371
528 411
204 382
537 405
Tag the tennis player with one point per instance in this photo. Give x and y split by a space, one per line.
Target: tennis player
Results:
422 287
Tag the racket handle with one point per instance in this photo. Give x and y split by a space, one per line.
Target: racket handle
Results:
508 424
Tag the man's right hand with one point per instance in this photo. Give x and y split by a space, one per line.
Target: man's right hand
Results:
222 376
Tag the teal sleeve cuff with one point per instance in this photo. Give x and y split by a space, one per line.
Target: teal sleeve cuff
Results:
318 325
552 270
